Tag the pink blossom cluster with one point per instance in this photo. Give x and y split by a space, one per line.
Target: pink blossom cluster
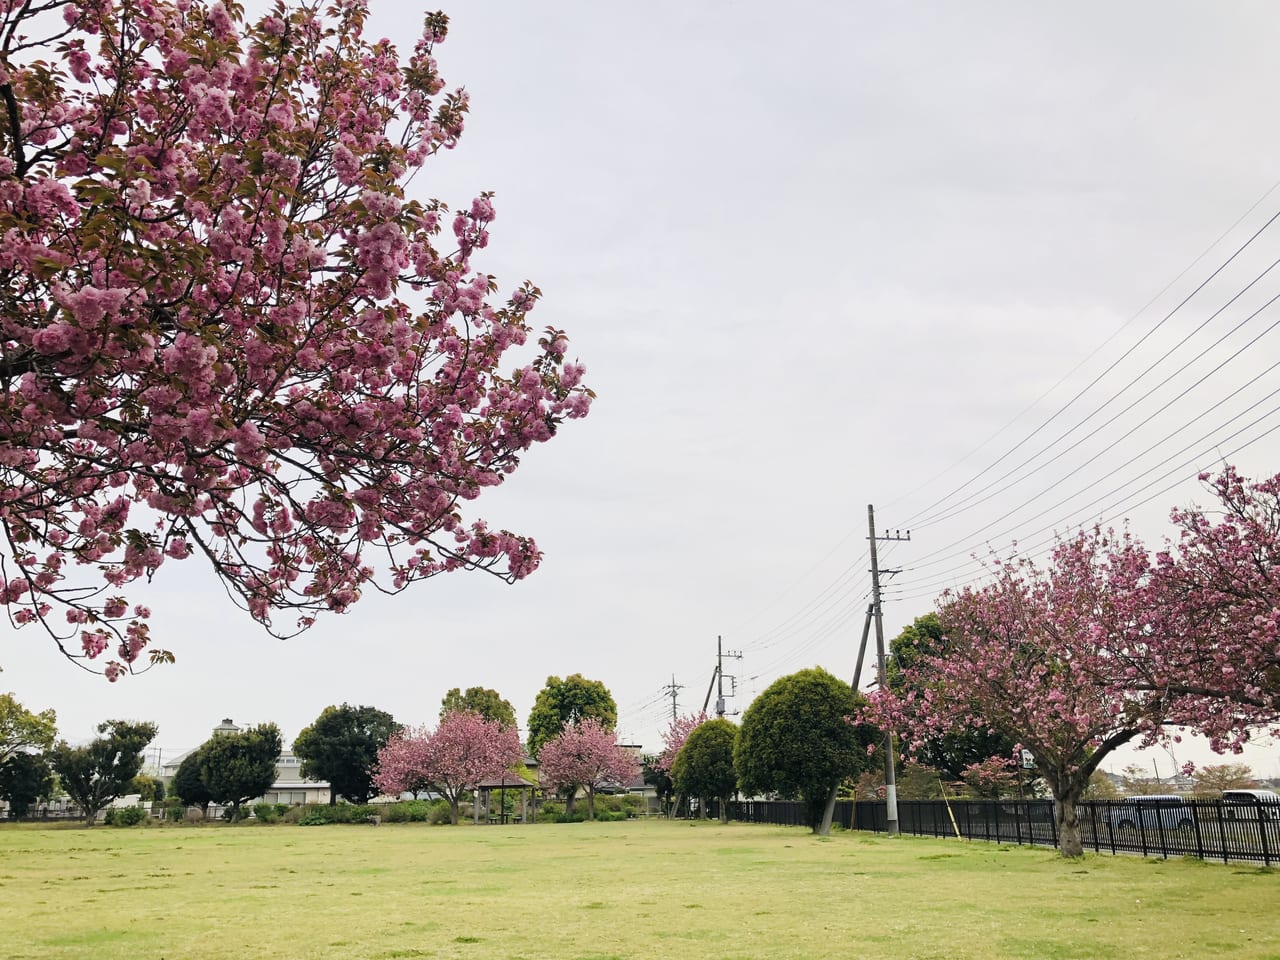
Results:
220 306
1108 644
462 752
586 755
673 739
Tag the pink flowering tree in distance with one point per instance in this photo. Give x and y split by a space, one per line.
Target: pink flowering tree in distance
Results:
462 752
585 755
673 739
401 763
1032 656
230 333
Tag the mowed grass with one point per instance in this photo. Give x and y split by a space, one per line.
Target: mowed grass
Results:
648 889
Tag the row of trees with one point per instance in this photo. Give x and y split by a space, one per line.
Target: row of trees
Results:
33 766
796 741
571 733
1104 646
345 746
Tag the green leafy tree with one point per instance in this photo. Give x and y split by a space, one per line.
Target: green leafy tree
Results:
23 731
704 766
342 746
188 786
955 751
660 780
236 767
796 740
488 703
1212 779
24 779
95 774
562 703
1136 781
147 788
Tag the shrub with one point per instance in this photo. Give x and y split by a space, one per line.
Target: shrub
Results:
125 816
315 814
405 811
438 812
608 803
194 815
266 812
292 815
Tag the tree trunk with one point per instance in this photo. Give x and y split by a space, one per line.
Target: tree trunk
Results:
568 804
591 804
1067 819
724 809
824 829
453 811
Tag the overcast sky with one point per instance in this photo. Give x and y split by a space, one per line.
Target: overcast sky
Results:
815 256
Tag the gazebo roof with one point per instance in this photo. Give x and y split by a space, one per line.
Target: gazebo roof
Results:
507 780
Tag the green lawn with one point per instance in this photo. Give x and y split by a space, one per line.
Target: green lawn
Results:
643 889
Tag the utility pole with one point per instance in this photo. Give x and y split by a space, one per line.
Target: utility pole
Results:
890 778
721 653
671 689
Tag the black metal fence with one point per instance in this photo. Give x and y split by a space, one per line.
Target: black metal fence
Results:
1172 827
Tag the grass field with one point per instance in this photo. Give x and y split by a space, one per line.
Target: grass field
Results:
648 889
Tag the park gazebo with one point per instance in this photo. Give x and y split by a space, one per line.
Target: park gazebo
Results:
508 781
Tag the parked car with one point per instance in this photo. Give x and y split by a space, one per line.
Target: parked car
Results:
1250 805
1156 812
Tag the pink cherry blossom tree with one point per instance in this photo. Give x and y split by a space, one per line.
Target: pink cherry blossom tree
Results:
673 739
1032 656
228 329
402 761
586 756
462 752
1216 647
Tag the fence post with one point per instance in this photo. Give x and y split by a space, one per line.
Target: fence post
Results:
1262 832
1195 819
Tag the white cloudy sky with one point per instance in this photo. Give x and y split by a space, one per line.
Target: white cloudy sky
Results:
815 256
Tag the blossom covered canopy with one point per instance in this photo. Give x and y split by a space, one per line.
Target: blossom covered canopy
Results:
586 754
462 752
227 332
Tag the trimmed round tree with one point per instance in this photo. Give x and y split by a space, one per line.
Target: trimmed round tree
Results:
796 740
236 767
704 766
561 703
482 700
342 746
188 786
